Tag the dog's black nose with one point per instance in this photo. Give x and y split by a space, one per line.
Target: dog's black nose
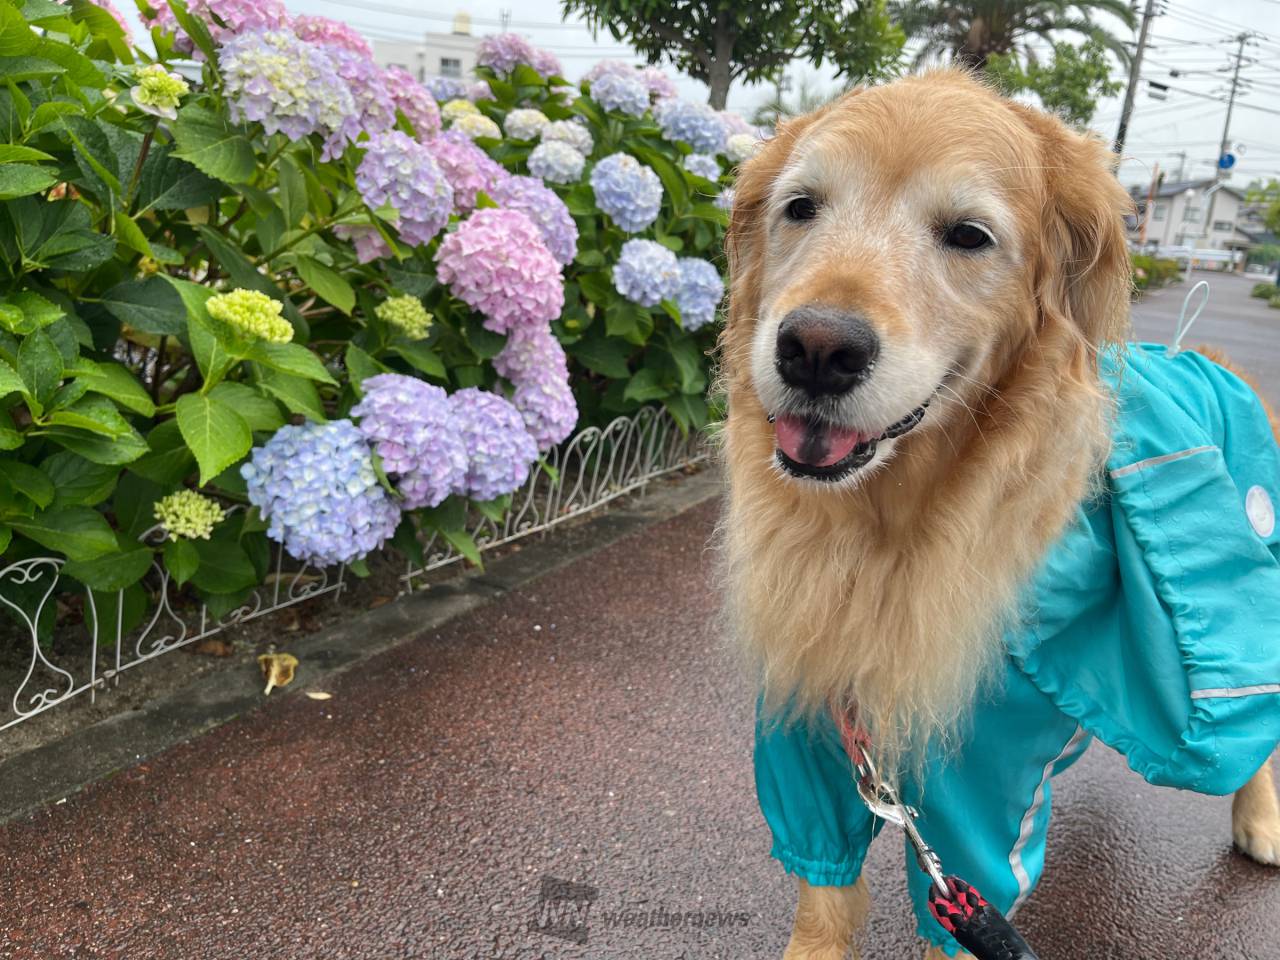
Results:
825 351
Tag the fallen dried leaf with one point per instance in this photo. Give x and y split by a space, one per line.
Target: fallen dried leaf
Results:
277 668
213 647
319 695
378 601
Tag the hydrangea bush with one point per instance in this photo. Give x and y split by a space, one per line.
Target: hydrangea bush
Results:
288 297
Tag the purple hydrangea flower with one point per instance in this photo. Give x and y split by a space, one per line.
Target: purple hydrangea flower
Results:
546 63
545 209
499 448
556 162
699 292
566 131
661 87
646 273
622 92
370 244
315 486
467 168
240 16
703 164
286 84
535 362
375 110
604 68
410 425
496 263
414 101
627 191
734 123
331 33
693 123
478 91
501 52
445 89
396 169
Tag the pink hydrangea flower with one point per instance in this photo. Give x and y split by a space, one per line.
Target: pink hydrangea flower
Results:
501 52
467 168
238 15
369 243
331 33
497 264
414 101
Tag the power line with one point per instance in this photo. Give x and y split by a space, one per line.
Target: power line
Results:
449 17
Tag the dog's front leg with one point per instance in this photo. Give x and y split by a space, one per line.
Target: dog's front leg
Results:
826 920
1255 818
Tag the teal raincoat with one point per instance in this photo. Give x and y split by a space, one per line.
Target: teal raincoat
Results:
1152 625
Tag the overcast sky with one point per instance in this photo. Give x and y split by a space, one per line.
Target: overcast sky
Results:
1192 36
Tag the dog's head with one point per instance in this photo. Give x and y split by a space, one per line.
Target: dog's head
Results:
894 255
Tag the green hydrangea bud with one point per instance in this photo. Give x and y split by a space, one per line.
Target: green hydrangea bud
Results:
188 514
158 91
251 314
406 314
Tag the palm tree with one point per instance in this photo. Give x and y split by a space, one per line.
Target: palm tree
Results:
971 32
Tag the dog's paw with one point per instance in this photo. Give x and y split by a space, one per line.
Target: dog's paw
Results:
1258 838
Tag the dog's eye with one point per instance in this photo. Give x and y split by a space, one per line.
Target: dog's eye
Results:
802 208
966 236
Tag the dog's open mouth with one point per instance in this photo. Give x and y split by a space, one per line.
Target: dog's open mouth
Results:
824 451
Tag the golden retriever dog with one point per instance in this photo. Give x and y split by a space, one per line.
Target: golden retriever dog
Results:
955 261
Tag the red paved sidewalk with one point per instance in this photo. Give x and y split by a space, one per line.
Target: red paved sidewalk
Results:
588 728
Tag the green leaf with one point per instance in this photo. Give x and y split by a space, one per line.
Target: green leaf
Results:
121 450
79 533
16 37
421 357
167 183
195 28
77 481
12 153
291 358
465 544
690 411
33 312
645 386
94 155
327 283
23 179
31 482
630 321
52 111
690 361
40 364
181 559
152 305
259 412
117 382
209 142
167 460
416 276
130 234
604 355
597 287
360 366
213 359
6 536
95 414
115 571
292 186
217 435
296 393
224 567
10 382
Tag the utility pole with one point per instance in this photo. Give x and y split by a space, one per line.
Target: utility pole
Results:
1135 68
1182 166
1151 200
1219 174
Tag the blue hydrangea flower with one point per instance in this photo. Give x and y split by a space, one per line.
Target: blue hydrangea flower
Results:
646 273
693 123
703 164
315 486
699 292
556 162
627 191
445 89
499 448
286 84
535 363
626 93
567 131
725 200
399 170
545 209
411 428
375 109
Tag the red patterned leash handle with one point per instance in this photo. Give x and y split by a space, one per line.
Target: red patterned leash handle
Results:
957 905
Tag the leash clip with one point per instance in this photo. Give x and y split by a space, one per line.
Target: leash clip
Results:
883 802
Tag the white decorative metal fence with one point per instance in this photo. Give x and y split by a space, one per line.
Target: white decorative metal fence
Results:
60 644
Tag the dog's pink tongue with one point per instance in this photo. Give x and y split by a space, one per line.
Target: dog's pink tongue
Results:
817 445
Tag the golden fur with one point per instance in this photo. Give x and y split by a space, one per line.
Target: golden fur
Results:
890 592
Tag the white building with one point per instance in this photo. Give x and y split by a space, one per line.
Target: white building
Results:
432 54
1178 213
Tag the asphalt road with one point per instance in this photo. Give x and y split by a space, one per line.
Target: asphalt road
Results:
592 730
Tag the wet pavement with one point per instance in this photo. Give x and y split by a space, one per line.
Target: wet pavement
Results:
585 741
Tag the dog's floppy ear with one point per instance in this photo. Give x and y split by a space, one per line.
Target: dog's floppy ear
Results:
1083 274
744 242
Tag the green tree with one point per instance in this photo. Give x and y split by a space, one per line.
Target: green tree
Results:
720 41
1268 195
972 31
1069 85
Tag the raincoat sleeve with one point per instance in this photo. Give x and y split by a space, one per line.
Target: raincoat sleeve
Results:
805 785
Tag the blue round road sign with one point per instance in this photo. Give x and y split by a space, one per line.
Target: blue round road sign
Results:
1226 161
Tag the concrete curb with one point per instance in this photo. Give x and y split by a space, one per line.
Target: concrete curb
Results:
52 772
